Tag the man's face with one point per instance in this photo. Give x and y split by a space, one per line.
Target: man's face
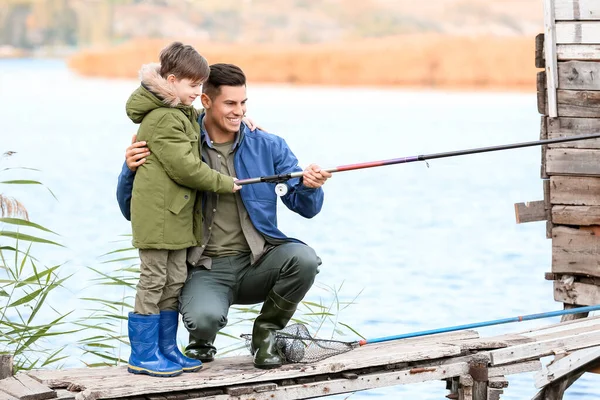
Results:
187 90
226 109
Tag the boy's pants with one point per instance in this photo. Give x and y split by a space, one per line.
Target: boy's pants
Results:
288 269
162 275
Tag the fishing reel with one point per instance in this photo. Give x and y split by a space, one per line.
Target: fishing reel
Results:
281 189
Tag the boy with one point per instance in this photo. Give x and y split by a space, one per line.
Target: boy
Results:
163 202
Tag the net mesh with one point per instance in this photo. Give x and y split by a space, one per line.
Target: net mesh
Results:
296 345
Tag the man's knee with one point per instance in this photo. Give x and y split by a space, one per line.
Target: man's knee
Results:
203 323
305 261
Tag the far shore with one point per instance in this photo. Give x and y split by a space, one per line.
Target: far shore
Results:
417 61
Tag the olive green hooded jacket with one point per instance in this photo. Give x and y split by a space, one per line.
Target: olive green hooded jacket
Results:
164 197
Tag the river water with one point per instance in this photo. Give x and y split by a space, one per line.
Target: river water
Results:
426 245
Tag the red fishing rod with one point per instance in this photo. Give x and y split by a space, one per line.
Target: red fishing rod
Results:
281 189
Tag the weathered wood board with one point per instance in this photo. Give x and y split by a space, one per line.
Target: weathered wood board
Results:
576 215
585 32
579 75
530 211
576 10
581 162
543 348
588 52
578 103
576 251
24 387
574 190
565 126
578 293
562 367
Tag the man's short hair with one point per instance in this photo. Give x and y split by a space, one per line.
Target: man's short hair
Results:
184 62
223 75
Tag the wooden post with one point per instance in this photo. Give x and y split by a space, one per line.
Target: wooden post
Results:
550 57
479 372
6 366
572 317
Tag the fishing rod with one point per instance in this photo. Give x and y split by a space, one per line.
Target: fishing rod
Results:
297 345
482 324
282 189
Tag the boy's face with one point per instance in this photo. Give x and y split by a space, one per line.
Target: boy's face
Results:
226 109
186 89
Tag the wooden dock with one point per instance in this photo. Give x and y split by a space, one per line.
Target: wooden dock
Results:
474 368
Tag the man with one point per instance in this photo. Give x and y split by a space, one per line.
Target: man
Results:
244 257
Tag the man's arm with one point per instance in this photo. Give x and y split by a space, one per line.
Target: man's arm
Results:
124 189
135 155
305 195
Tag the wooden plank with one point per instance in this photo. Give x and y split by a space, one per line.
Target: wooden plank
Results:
24 387
578 10
363 382
530 211
576 251
565 365
579 75
564 126
540 62
578 293
569 332
587 32
494 394
576 215
535 350
550 41
481 344
240 370
547 204
542 93
561 327
581 162
578 103
6 366
65 395
518 368
578 52
570 190
544 136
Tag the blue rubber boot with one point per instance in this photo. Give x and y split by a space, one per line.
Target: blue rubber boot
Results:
167 342
145 356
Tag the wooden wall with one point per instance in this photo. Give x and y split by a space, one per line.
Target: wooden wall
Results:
571 171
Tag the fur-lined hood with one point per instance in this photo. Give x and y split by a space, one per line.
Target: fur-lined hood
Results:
154 92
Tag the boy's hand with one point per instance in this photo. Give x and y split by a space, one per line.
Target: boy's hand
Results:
236 188
136 154
250 124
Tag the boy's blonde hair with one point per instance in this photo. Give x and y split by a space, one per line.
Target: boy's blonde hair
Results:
184 62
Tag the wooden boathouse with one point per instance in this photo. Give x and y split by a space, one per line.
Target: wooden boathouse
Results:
473 367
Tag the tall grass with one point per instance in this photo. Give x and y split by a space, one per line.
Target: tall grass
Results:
27 319
107 322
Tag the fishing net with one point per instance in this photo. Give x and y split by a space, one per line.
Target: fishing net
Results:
296 345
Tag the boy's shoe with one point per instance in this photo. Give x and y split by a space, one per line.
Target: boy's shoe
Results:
146 357
167 342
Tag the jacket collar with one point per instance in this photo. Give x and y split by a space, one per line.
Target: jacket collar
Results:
205 139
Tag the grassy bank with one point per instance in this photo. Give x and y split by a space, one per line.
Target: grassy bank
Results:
505 63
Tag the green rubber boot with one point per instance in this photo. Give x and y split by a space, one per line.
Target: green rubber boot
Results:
200 349
274 315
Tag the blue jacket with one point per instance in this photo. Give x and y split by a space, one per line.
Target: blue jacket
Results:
258 154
